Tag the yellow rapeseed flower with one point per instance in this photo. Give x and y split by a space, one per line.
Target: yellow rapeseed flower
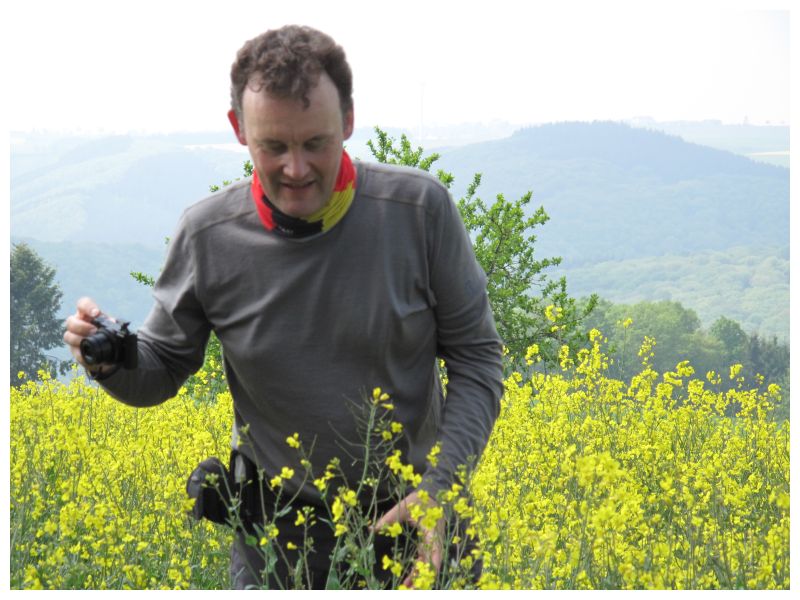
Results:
393 530
349 497
532 354
388 564
337 509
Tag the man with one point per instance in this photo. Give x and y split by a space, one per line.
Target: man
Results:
322 279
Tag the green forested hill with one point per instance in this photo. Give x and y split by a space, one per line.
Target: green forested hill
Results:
638 214
747 284
615 192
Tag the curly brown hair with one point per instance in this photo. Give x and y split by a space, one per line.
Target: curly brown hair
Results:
287 63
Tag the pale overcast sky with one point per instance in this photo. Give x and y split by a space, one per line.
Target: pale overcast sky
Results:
164 65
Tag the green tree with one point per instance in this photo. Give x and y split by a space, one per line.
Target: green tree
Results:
675 329
679 337
528 306
771 359
767 357
732 337
35 300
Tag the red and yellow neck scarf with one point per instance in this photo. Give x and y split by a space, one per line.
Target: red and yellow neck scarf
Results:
344 190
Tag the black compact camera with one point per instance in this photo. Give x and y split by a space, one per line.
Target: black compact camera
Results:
112 344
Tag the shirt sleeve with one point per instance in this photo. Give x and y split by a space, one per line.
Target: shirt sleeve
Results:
468 341
173 338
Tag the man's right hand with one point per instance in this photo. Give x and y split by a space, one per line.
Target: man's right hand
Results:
79 326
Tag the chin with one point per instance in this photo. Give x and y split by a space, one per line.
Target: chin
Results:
299 210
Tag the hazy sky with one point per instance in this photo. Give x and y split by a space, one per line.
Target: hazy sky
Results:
164 66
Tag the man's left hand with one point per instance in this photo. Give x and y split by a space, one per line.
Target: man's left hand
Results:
430 548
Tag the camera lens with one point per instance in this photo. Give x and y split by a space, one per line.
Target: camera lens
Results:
98 348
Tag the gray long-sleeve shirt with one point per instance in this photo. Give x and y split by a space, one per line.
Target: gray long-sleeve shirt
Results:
310 325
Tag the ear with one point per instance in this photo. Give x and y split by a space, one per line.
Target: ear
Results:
239 131
349 121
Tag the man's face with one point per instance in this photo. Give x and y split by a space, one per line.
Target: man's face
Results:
296 150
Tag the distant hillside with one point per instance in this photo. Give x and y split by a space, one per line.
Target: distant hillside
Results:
615 192
635 213
747 284
763 143
119 189
102 272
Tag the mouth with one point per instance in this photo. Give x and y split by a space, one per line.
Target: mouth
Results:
297 186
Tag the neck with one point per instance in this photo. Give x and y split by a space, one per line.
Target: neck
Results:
324 219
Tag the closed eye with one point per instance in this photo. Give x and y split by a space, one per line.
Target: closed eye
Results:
315 144
273 147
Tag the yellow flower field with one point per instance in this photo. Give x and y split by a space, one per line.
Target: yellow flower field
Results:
98 490
594 483
587 482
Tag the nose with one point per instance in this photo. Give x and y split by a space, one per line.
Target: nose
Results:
296 166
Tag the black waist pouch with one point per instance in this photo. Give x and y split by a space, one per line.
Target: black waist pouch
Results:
212 488
232 496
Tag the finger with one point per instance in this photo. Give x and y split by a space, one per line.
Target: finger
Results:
78 327
71 339
437 552
78 356
87 309
77 331
397 514
73 342
412 575
430 549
